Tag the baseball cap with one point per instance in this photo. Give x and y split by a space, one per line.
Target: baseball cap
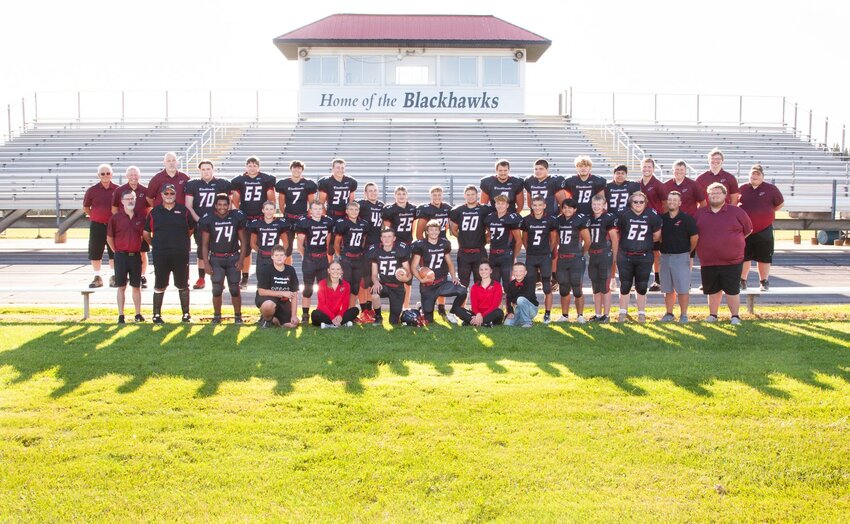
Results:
166 187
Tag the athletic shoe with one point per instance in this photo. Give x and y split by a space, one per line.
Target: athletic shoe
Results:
200 284
603 318
144 282
555 287
641 318
238 320
764 285
683 319
735 320
743 285
580 319
112 281
305 318
561 319
547 317
451 318
139 318
441 310
244 283
528 325
186 318
216 319
328 326
655 287
485 324
157 320
378 321
668 317
622 317
348 324
594 318
711 319
96 282
263 323
121 319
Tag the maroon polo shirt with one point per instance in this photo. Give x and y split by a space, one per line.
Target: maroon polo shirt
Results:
724 177
721 235
99 199
656 194
155 186
691 193
760 204
141 202
126 232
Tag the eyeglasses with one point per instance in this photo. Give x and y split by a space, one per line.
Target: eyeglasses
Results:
105 174
638 201
169 193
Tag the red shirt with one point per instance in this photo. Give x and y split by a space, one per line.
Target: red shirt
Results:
99 199
760 204
485 299
179 180
141 201
333 303
691 193
126 232
721 235
723 177
656 194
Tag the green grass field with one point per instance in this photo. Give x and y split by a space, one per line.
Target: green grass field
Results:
559 423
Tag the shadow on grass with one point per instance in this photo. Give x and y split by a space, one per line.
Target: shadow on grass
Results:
691 357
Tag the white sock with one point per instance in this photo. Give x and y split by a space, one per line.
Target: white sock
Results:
640 312
624 310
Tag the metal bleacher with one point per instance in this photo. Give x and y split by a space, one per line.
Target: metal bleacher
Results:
32 163
418 154
803 172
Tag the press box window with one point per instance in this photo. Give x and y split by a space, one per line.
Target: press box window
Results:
321 70
458 71
412 70
501 71
363 70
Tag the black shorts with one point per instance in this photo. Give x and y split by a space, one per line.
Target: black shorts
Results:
166 263
197 236
128 264
314 269
97 241
721 278
352 272
282 309
226 268
759 246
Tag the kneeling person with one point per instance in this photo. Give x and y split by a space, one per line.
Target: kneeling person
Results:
387 258
224 244
277 292
434 253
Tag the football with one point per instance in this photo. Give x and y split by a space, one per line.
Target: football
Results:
426 274
401 275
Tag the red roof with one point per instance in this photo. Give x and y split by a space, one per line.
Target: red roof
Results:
356 30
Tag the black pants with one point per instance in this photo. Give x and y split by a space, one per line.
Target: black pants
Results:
494 317
168 263
467 264
318 318
635 269
446 288
503 267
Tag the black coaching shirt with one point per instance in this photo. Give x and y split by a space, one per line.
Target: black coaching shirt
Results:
170 229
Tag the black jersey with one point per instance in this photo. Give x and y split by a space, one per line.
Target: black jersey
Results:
296 195
599 228
501 228
470 225
389 261
583 190
434 255
337 193
203 194
510 188
569 233
618 195
538 234
371 213
268 277
353 236
316 233
546 189
170 228
268 234
431 212
224 231
401 220
253 192
636 230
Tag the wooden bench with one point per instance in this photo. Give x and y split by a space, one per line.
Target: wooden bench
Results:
85 292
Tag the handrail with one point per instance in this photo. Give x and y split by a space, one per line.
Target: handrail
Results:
620 138
203 146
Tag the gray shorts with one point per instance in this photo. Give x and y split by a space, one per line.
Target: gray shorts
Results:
675 273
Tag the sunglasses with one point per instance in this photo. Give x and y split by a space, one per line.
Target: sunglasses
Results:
104 174
638 201
169 193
